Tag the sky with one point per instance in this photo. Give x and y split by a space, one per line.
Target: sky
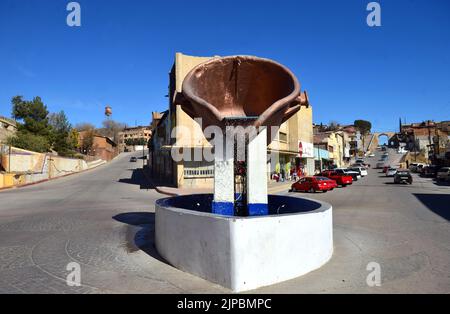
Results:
123 51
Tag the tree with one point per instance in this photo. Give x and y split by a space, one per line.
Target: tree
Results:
74 135
333 126
33 114
29 141
364 127
61 132
88 141
84 126
135 141
34 133
111 129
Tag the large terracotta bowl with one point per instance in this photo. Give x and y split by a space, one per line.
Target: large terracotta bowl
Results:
243 90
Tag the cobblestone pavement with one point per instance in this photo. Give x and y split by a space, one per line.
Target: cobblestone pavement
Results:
104 220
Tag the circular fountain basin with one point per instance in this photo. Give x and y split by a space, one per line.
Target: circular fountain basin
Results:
244 253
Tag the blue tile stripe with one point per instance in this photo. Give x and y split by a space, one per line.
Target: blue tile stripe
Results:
258 209
223 208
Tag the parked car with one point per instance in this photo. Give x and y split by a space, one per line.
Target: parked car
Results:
385 168
133 159
429 171
371 155
413 166
359 161
380 165
361 170
403 176
391 172
314 184
443 174
355 175
340 177
420 168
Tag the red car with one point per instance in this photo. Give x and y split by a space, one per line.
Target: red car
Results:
314 184
386 168
340 178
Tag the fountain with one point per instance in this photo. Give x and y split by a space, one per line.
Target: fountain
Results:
240 237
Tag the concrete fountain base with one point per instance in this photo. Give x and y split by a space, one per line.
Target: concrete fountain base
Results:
244 253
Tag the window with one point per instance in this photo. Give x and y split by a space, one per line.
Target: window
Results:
282 137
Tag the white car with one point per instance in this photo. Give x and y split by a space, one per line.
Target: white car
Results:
391 172
354 174
371 155
361 170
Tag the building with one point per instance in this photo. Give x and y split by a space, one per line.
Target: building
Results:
334 143
8 127
97 146
291 148
428 137
321 157
131 139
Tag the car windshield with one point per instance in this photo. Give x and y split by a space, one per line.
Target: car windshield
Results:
403 173
322 179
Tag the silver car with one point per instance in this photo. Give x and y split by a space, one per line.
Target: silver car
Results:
391 172
443 174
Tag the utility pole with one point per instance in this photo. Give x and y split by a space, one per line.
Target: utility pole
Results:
9 159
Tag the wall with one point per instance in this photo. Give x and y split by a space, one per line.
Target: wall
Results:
20 160
30 167
244 253
194 138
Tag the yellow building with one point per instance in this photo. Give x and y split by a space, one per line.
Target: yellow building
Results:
335 144
189 139
293 147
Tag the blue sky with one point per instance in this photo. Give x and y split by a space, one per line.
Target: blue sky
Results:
122 53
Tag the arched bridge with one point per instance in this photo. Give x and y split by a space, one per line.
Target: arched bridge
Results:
373 140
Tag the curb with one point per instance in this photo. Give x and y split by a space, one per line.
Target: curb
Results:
157 188
50 179
162 191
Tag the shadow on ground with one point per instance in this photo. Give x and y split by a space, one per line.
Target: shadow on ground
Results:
437 203
441 183
144 239
138 178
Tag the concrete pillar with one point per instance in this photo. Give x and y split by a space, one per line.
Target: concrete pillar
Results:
223 203
256 174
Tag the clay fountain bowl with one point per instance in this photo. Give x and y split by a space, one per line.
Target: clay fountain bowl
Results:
241 90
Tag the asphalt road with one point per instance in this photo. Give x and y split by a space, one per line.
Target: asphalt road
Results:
103 219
